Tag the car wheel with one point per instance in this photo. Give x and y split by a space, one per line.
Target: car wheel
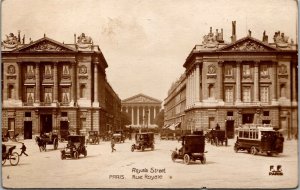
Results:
76 155
186 159
203 160
14 159
253 150
173 156
132 148
62 156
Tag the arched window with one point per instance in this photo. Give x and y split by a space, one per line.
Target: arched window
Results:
11 91
82 91
211 91
282 90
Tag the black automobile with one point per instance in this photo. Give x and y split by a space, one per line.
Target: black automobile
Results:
75 147
193 148
119 136
143 141
93 137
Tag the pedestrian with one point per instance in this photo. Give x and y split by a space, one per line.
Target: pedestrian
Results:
23 149
113 145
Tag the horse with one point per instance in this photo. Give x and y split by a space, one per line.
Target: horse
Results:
41 143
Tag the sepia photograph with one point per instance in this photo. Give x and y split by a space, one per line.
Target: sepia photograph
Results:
149 94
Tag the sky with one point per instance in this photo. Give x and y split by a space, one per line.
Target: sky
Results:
146 42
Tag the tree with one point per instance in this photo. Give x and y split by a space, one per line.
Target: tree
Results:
159 119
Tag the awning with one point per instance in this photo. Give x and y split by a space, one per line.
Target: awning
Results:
178 125
172 127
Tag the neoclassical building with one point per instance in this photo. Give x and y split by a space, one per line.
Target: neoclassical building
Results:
142 110
48 85
243 81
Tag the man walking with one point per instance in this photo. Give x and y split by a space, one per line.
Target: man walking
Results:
23 149
112 145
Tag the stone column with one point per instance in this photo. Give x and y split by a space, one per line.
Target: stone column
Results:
138 115
274 82
238 81
193 86
186 91
20 87
55 86
256 82
132 117
154 112
96 101
148 115
143 115
197 83
37 82
294 79
74 94
220 80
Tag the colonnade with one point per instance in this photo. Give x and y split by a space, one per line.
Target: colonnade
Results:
141 115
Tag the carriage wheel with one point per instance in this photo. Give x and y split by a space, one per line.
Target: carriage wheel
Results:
173 156
253 150
14 159
76 155
3 161
132 148
55 143
186 159
203 160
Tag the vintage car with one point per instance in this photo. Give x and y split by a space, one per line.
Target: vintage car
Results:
119 136
193 148
8 154
93 137
143 140
259 139
74 148
217 137
46 139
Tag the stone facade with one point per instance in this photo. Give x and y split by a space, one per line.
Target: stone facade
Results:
142 110
244 81
48 85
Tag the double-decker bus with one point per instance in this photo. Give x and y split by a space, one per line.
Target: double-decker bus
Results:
256 138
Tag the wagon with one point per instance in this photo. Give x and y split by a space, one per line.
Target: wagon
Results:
48 138
217 137
93 137
193 148
8 154
75 147
143 141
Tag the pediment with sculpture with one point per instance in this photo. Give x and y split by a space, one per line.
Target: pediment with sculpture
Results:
247 44
141 99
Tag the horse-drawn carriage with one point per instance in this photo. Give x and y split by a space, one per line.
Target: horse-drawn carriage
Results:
93 137
217 137
47 138
193 148
74 148
8 154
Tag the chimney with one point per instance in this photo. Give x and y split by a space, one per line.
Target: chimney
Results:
19 36
74 38
233 37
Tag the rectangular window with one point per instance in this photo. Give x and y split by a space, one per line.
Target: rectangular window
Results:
48 70
229 94
65 95
48 95
29 95
246 134
228 70
241 134
264 70
264 94
246 94
66 70
246 70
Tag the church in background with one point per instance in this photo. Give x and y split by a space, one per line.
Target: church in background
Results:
142 110
244 81
48 85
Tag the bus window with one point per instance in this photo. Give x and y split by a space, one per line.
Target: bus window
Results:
241 134
256 135
246 134
250 133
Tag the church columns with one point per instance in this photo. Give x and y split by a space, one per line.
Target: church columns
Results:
238 81
132 115
37 84
256 82
55 86
197 83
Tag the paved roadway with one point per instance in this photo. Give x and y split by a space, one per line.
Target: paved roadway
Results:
101 168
